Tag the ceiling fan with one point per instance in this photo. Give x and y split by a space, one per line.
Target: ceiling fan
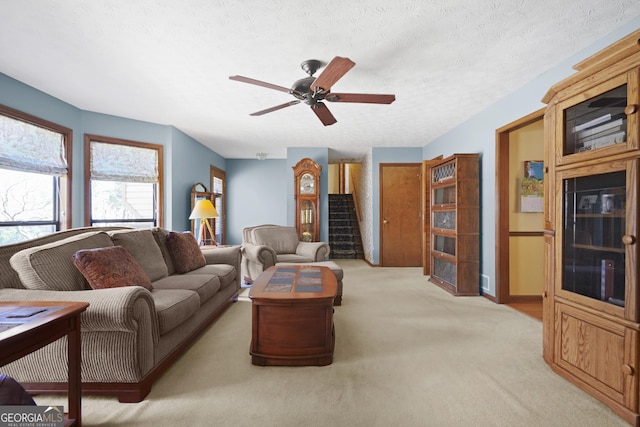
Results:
312 90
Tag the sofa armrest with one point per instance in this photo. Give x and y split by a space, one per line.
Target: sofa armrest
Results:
317 251
230 255
119 335
126 309
260 254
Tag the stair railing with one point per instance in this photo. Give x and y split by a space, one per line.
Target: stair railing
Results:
356 203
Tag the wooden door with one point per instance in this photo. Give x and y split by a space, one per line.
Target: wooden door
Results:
400 215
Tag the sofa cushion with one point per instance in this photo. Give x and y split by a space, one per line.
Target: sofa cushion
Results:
174 306
185 252
143 247
293 258
283 240
206 285
50 266
112 267
226 273
160 236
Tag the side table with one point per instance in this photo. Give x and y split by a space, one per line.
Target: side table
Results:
26 326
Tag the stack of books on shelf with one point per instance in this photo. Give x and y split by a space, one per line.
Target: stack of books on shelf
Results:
600 132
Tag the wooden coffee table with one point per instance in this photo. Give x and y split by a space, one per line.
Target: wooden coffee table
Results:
292 316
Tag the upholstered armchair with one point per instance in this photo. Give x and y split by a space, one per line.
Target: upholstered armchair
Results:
265 245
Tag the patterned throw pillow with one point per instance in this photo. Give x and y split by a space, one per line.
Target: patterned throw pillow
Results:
185 252
111 267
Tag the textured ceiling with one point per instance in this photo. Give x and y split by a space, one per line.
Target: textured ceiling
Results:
168 62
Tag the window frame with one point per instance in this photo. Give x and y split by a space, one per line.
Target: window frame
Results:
159 196
215 172
62 202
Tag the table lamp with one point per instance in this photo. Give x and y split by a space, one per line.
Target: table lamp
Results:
204 210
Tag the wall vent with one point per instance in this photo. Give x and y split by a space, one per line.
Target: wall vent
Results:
485 283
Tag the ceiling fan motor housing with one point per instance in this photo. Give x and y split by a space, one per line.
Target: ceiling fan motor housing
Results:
301 89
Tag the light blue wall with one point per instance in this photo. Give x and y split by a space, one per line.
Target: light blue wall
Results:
386 155
186 161
477 135
256 194
190 163
261 191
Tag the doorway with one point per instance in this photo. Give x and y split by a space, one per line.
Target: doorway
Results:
519 226
400 215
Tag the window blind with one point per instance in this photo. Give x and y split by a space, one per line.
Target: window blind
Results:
123 163
29 148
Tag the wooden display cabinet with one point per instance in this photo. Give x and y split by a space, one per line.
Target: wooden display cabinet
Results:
591 300
425 184
455 224
306 175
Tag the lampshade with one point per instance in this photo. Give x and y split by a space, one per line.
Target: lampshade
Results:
204 209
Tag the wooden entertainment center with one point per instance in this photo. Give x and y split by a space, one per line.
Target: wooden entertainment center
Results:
591 315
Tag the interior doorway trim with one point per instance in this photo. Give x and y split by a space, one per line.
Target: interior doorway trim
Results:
502 203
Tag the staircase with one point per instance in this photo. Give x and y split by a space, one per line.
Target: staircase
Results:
344 232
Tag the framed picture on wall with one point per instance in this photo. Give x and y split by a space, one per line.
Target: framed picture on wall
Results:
534 169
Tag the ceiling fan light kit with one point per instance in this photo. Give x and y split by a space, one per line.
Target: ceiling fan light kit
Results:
312 90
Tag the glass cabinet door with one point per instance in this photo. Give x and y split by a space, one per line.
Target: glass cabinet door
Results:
443 254
594 223
598 125
307 221
444 195
444 244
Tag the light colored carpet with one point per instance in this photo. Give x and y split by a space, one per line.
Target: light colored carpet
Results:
407 354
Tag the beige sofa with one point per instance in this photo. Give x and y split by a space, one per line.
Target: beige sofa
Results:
130 334
265 245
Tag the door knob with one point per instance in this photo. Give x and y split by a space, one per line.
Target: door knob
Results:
384 221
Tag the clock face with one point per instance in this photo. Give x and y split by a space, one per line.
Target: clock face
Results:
307 184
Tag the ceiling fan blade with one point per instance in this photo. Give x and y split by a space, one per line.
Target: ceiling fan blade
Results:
276 108
263 84
323 114
367 98
337 68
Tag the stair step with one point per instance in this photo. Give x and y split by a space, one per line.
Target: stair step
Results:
344 254
344 232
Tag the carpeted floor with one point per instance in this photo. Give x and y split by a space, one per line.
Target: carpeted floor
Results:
407 354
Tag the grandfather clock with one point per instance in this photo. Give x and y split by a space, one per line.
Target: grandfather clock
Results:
307 197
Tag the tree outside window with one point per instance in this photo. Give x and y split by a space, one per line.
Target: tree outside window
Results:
34 186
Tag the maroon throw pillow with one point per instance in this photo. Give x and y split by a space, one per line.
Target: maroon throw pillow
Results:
111 267
185 252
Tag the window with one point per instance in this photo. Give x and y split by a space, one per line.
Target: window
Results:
218 186
34 177
123 183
